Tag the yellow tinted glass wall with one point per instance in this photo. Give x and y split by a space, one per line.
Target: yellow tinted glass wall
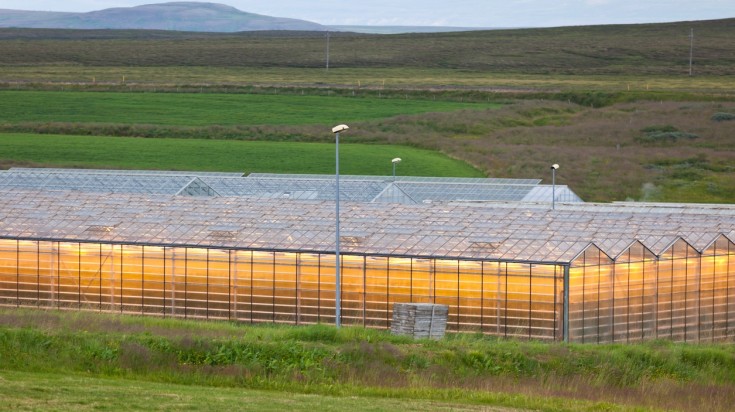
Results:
508 299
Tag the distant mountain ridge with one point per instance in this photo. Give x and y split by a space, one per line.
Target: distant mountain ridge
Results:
179 16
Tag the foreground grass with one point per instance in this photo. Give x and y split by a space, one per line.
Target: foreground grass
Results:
460 372
223 155
67 392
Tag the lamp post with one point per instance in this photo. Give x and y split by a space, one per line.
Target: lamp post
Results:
553 185
337 279
395 162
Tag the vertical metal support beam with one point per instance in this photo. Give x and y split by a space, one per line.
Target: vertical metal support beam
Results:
482 296
142 279
58 275
727 292
235 284
38 273
122 280
686 289
319 288
79 275
17 272
297 293
459 303
387 292
643 295
99 285
530 298
498 277
565 314
164 282
252 257
186 283
505 303
364 290
556 303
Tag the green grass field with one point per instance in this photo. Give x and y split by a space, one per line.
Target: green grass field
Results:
191 109
223 155
22 391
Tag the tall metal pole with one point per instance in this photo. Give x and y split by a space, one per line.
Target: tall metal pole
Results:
553 185
327 50
337 260
337 279
553 188
691 50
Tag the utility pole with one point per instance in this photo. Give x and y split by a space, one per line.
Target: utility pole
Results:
691 50
327 50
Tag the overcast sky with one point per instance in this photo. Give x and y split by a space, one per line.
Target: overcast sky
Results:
464 13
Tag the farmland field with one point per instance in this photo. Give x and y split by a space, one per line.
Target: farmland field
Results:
222 155
192 109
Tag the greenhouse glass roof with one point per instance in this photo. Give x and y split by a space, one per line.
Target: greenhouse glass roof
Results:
498 231
378 189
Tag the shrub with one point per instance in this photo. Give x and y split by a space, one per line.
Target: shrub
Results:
663 134
721 117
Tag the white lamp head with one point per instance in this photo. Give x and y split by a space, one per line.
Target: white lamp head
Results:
555 166
396 160
339 128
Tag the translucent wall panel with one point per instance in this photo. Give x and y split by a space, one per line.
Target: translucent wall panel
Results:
590 297
678 294
508 299
633 309
717 298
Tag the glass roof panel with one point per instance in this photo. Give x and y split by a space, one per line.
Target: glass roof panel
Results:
523 232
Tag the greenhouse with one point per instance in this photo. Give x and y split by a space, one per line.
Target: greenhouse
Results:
369 189
618 272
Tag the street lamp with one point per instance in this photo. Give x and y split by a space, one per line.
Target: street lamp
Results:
553 185
395 162
337 279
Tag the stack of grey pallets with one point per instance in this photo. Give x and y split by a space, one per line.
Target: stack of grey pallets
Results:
420 320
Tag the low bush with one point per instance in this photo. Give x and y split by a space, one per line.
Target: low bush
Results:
663 134
721 117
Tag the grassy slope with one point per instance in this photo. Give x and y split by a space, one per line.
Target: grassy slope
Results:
220 155
461 371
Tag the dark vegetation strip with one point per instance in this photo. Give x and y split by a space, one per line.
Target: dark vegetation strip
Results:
321 359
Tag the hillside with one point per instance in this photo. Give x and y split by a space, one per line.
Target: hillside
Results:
631 50
179 16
